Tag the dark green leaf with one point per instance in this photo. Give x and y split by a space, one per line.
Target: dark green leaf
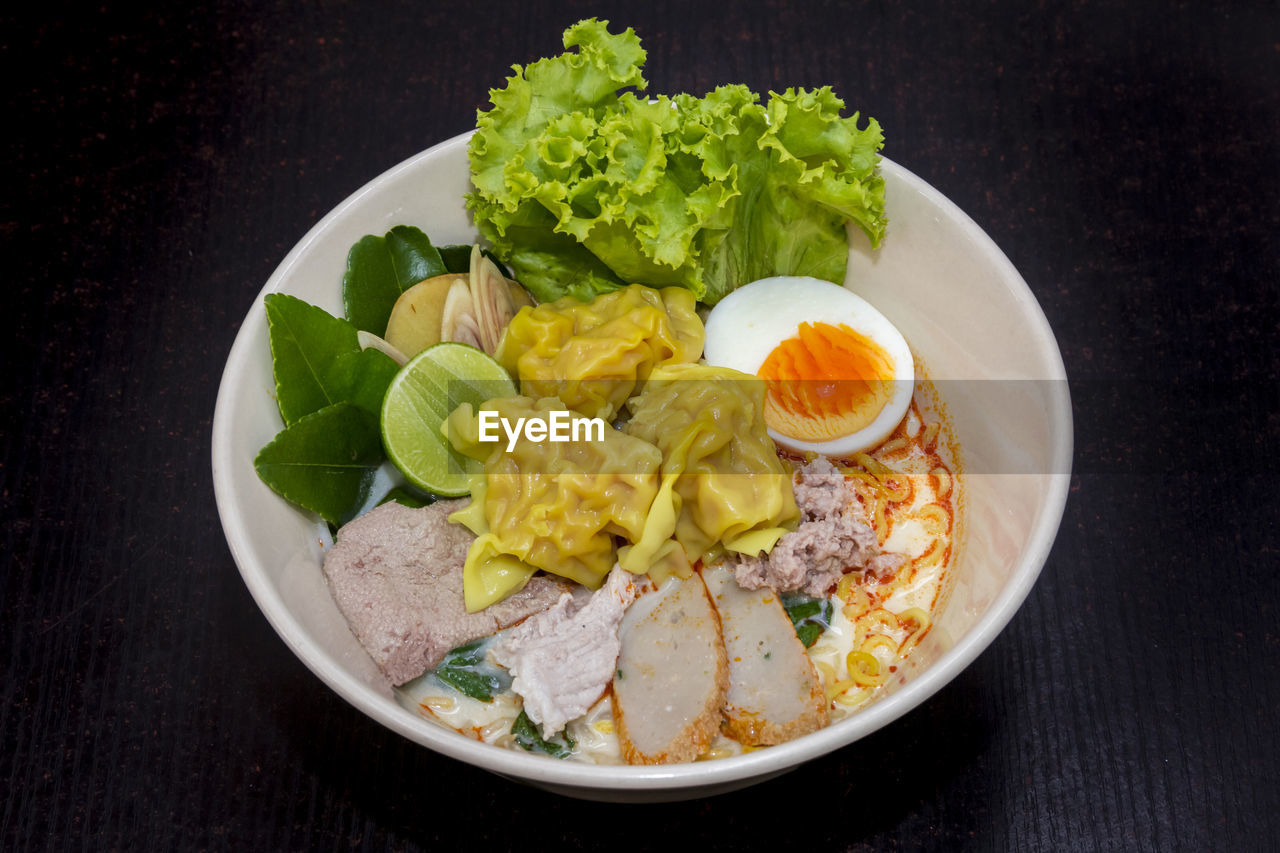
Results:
468 655
306 343
379 269
407 497
470 683
413 255
317 360
324 462
363 378
804 609
528 736
465 670
810 616
809 632
370 287
457 260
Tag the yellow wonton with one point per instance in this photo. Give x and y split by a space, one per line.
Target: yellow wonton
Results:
552 505
720 470
591 355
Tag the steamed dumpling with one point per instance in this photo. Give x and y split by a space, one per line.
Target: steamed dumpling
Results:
552 505
592 355
720 472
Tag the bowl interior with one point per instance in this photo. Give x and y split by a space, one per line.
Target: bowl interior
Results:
968 316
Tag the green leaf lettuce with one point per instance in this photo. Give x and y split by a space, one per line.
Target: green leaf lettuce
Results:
583 187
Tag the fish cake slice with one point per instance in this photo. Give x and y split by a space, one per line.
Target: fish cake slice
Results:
775 693
672 675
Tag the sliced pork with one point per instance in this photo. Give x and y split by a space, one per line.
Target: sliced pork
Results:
672 675
775 694
396 574
563 659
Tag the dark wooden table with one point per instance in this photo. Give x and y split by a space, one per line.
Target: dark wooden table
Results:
159 162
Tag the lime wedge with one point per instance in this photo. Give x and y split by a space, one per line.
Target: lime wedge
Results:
434 383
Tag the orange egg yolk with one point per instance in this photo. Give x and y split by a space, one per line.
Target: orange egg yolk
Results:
827 382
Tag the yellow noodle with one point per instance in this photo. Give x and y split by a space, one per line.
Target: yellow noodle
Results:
863 482
881 522
909 644
715 753
900 493
861 599
495 728
883 475
826 671
820 648
604 727
831 685
440 704
855 697
934 518
839 688
893 445
930 435
854 596
864 669
868 497
922 622
943 477
877 475
917 615
873 466
878 619
931 556
875 641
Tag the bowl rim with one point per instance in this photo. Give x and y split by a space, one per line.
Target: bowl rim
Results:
544 770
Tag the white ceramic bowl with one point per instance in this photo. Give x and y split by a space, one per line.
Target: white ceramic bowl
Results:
965 310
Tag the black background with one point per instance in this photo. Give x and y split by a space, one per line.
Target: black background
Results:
159 162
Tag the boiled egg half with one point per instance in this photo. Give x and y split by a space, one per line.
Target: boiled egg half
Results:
839 375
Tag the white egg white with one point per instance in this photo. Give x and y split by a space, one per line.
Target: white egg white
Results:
748 324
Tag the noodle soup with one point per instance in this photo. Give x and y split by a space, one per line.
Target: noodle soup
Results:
908 490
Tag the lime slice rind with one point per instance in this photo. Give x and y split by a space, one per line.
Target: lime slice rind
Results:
419 399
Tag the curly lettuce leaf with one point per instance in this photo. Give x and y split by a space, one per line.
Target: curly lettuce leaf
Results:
582 82
583 187
549 264
817 173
